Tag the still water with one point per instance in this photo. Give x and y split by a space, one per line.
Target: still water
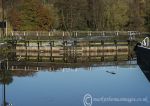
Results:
121 84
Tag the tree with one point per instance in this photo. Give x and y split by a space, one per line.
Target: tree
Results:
116 16
33 15
72 14
147 17
15 20
47 18
137 14
79 14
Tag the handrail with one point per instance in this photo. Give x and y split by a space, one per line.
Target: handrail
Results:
146 42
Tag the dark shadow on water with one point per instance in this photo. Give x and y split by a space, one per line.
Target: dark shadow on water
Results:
28 64
145 69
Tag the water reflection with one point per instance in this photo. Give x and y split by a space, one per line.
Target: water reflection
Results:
28 63
67 86
22 69
6 78
33 79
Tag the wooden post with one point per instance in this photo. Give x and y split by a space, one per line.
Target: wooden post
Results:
75 47
89 51
7 65
28 43
25 44
38 46
116 56
63 33
102 44
129 51
49 34
65 51
90 34
103 33
37 34
24 34
76 34
50 44
117 33
38 57
26 55
53 44
12 34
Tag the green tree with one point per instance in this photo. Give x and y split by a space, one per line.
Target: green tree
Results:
72 14
79 14
147 17
137 14
116 16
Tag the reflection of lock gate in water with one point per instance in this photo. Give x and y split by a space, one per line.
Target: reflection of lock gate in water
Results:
77 53
28 66
88 49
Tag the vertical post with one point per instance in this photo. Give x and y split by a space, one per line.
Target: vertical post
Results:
129 52
103 33
90 33
75 47
117 33
25 43
7 65
50 45
63 33
37 34
28 43
89 45
49 34
102 44
37 37
130 35
12 34
24 34
76 34
26 53
89 51
115 58
38 46
38 58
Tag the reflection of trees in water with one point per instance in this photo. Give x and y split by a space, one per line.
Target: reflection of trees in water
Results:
6 77
22 65
23 73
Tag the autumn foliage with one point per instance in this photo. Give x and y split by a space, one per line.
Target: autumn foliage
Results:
70 15
32 15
